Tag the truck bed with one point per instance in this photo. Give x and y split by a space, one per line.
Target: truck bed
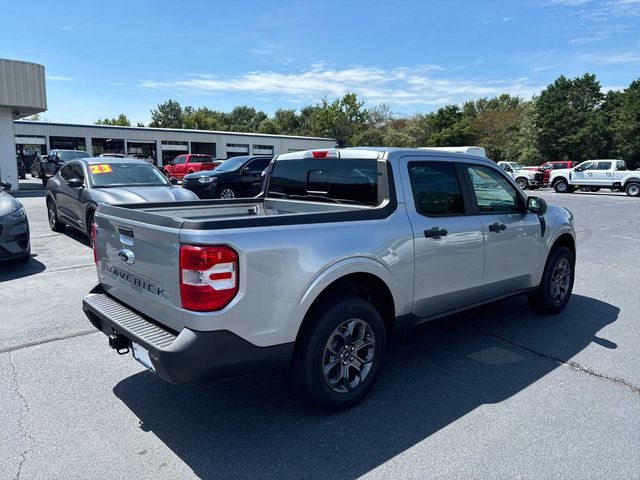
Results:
216 214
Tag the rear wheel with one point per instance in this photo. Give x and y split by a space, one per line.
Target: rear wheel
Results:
557 282
561 186
52 215
339 353
594 189
522 183
632 189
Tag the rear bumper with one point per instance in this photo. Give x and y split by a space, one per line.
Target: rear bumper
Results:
187 356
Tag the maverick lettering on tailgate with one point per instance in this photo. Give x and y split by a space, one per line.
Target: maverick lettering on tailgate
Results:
132 280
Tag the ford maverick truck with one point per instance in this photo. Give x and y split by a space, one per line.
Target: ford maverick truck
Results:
340 247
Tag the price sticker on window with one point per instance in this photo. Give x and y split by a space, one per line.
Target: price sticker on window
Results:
102 168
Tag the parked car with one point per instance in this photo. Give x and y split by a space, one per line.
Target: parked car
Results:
56 159
22 168
595 174
15 243
236 178
524 178
36 166
193 162
342 246
547 167
81 185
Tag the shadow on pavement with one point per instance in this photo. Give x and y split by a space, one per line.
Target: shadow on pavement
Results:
77 236
12 270
435 374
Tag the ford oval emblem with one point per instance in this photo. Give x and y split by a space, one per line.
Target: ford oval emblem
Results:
127 256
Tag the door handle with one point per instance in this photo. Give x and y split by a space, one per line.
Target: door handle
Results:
590 174
435 232
608 174
497 227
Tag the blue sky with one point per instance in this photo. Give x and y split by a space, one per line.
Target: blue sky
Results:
104 58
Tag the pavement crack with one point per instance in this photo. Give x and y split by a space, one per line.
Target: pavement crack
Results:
567 363
47 340
23 430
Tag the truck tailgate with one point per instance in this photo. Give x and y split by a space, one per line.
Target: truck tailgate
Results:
138 264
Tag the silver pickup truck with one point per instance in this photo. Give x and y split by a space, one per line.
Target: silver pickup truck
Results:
314 273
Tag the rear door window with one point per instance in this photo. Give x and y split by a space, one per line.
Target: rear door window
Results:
603 166
436 188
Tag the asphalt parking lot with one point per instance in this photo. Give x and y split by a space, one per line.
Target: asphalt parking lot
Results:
497 392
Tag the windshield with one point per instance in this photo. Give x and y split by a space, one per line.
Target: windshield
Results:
232 164
107 175
515 166
70 155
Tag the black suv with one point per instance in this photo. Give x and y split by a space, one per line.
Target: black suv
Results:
234 178
56 159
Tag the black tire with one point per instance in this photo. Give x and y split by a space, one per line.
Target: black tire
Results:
90 216
522 183
226 192
313 367
594 189
548 297
52 216
561 186
632 189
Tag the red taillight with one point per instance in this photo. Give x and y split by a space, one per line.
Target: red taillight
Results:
325 153
208 277
320 153
93 242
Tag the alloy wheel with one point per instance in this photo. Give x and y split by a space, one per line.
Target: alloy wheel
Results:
348 355
560 280
227 193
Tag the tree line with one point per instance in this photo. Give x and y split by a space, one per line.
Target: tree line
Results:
570 119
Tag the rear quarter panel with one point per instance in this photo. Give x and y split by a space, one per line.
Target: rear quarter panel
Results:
283 269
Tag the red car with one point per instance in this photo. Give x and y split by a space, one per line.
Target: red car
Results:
546 168
189 163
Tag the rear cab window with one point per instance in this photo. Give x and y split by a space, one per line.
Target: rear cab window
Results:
352 181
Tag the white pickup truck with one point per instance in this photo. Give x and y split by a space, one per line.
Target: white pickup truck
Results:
596 174
524 178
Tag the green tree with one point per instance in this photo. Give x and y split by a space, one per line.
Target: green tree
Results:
341 119
626 126
167 115
569 121
450 126
121 120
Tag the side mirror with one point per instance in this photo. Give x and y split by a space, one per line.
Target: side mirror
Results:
52 159
579 169
536 205
173 180
245 171
5 186
75 183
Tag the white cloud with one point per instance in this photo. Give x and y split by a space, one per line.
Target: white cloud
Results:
419 85
612 58
60 78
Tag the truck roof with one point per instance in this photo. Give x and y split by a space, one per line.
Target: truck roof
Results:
384 153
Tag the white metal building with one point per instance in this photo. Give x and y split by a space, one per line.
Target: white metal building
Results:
22 93
161 144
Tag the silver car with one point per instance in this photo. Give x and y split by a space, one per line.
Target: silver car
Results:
74 193
14 228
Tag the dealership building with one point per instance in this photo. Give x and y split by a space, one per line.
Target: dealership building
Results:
160 144
22 93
